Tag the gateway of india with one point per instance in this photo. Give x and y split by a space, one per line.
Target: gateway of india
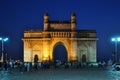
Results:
79 44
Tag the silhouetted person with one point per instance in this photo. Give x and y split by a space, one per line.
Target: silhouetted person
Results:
5 65
36 66
0 64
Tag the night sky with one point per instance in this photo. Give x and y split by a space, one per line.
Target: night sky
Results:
19 15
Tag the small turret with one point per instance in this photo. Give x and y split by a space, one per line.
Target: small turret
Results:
73 18
73 21
46 20
46 17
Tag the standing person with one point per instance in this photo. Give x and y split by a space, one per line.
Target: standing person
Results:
28 66
5 65
0 64
10 65
36 61
25 66
21 67
103 64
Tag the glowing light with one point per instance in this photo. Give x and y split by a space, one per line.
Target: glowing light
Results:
5 39
45 55
113 39
116 39
0 38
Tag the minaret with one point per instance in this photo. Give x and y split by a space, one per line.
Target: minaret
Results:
73 21
46 20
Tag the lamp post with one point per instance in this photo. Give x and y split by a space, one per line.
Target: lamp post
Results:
116 40
3 40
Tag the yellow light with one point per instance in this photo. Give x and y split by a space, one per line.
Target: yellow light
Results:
45 55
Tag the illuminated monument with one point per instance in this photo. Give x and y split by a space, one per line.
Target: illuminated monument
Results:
80 44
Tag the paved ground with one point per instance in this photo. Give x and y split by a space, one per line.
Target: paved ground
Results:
61 74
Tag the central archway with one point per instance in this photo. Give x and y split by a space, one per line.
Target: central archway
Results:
60 52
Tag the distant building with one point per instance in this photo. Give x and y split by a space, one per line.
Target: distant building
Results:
80 44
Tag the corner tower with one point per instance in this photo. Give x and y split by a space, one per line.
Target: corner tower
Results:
46 21
73 21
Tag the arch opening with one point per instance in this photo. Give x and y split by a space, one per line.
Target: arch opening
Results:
59 53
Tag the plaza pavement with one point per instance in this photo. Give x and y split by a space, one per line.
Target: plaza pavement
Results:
61 74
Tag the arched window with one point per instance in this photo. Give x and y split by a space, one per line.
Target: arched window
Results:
83 58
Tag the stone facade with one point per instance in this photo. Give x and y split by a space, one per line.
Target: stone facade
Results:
80 44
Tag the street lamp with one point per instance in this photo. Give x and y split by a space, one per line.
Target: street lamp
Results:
3 40
116 40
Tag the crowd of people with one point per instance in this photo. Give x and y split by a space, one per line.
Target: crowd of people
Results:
27 66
